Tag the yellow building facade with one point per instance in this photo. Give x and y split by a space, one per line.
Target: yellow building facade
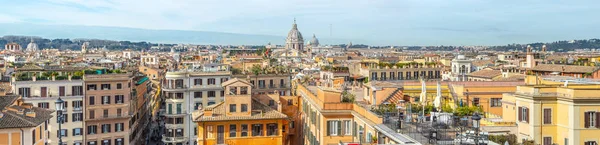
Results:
548 112
241 119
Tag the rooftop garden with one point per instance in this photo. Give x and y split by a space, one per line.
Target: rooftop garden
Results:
103 71
334 69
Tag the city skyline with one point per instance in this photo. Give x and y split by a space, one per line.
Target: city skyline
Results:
377 23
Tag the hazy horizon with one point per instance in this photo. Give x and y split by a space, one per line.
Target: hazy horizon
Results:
386 22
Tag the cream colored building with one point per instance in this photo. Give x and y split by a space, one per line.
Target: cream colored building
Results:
43 94
549 112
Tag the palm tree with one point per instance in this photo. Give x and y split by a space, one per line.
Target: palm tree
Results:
256 70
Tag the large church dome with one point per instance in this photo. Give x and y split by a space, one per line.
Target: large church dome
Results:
294 39
294 34
314 41
32 46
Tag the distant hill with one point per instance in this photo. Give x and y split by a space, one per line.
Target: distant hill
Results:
560 46
147 35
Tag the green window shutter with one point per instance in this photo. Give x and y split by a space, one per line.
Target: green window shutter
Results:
339 128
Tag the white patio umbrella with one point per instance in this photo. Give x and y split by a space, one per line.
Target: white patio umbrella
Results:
437 102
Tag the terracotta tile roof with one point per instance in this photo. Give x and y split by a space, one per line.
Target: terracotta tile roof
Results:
486 73
564 68
218 113
12 119
483 63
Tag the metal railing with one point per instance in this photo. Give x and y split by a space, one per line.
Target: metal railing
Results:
173 139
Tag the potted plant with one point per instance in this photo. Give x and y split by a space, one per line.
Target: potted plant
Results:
374 139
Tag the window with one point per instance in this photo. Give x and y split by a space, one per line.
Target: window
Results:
106 142
547 140
179 120
257 130
105 100
77 90
92 129
178 95
119 141
77 131
65 118
211 81
272 129
77 117
119 86
179 108
91 100
61 91
244 130
475 101
289 102
271 103
244 107
209 130
523 114
44 105
43 91
119 112
105 128
92 114
91 143
496 102
369 137
77 105
25 92
232 107
211 94
211 103
232 90
334 128
197 81
197 105
547 116
105 113
169 109
91 87
243 90
224 80
179 132
197 94
119 127
119 99
261 84
347 127
232 130
591 119
105 87
62 132
392 76
590 143
292 124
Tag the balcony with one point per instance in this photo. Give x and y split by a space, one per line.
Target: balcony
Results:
110 116
174 88
272 86
51 97
283 86
167 139
261 86
78 109
175 114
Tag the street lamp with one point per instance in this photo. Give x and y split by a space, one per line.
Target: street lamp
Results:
59 111
476 119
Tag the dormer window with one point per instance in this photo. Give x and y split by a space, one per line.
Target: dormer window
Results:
243 90
232 90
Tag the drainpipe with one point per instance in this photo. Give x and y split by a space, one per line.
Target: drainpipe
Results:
541 122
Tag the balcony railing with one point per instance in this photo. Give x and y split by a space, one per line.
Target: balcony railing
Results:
261 86
271 86
175 87
175 113
110 116
77 109
283 86
173 139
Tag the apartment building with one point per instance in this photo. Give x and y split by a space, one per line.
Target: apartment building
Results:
107 108
269 83
140 104
43 93
553 112
185 91
22 123
325 120
400 71
240 119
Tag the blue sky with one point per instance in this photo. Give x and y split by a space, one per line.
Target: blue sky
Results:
377 22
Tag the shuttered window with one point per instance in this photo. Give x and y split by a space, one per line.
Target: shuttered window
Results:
547 140
547 116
